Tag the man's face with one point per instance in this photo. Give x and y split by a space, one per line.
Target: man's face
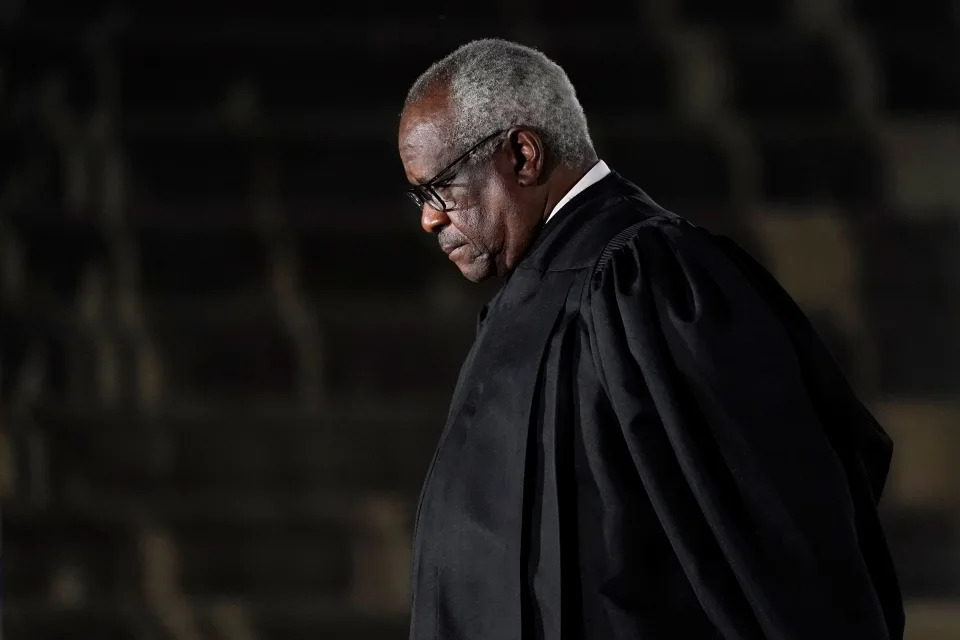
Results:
483 208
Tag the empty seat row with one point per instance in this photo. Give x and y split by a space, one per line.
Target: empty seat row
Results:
73 623
675 167
282 557
233 257
924 475
333 623
221 349
432 12
925 549
798 164
910 279
227 346
31 166
97 556
216 169
355 453
198 169
919 68
881 289
784 73
744 15
268 622
72 559
628 72
120 455
57 251
237 260
39 345
215 261
741 13
226 13
940 14
416 353
285 74
34 59
834 163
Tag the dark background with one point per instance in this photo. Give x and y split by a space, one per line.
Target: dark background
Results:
227 345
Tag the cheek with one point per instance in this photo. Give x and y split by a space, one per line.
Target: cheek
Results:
480 229
473 223
492 208
481 222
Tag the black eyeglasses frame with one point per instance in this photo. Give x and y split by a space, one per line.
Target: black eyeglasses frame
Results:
425 192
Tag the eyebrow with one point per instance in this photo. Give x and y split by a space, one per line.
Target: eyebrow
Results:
419 181
434 179
416 180
422 181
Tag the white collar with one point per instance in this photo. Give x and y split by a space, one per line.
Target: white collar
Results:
597 173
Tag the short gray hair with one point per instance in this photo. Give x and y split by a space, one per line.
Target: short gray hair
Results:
496 84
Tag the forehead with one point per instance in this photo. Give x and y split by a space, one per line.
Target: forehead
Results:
422 138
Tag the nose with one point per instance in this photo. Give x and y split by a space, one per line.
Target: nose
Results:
432 220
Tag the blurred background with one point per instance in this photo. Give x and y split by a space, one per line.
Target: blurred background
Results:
228 347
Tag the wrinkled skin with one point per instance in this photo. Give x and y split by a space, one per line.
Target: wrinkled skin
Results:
499 204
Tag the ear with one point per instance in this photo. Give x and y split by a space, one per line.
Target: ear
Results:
528 153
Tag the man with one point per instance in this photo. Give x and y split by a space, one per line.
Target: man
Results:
647 439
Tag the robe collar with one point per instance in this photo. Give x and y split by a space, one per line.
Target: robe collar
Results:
574 218
598 172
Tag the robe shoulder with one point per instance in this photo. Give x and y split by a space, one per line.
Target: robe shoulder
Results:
706 289
761 463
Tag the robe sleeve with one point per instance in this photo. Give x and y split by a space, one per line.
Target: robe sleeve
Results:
700 368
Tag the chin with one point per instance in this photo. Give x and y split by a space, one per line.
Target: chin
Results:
476 270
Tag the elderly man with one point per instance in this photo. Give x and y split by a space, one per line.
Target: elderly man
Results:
647 438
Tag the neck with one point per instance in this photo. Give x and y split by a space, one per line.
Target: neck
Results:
562 180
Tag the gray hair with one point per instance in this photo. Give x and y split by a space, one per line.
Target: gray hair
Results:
496 84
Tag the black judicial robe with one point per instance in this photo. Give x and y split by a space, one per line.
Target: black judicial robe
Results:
648 440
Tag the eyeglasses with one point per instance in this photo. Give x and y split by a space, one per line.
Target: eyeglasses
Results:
426 192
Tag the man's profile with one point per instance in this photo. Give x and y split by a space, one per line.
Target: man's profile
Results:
647 438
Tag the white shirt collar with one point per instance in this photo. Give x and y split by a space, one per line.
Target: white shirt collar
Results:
597 173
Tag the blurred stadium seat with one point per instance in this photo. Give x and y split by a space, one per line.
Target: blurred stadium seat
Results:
890 13
194 258
826 163
783 73
36 60
188 169
57 252
646 74
69 556
682 166
225 349
920 69
738 15
911 275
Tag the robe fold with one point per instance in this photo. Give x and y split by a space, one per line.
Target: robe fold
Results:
648 440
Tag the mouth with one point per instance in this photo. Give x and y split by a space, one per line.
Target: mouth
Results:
455 251
449 248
